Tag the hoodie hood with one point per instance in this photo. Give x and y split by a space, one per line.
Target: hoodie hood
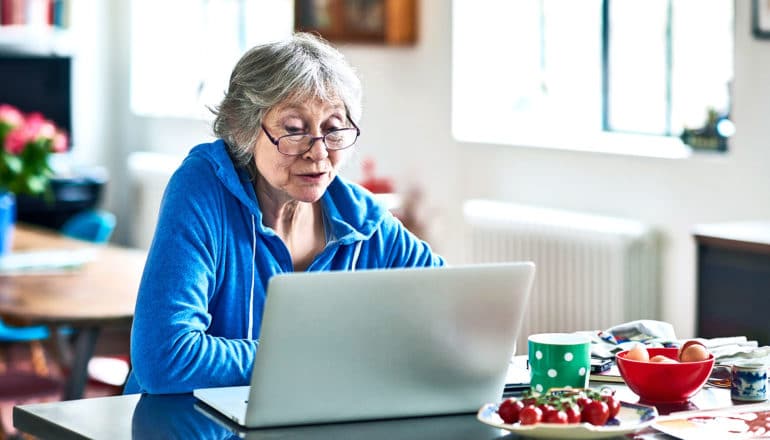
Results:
353 214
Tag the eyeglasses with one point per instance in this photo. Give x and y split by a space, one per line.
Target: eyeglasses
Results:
298 144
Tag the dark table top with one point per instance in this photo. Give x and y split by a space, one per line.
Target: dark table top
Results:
182 416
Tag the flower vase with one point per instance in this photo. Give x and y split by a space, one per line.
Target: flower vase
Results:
7 221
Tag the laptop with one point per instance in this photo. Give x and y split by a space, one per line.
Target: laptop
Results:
380 344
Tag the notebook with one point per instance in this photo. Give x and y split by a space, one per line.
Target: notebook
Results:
380 344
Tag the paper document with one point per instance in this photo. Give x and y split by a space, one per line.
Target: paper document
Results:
45 261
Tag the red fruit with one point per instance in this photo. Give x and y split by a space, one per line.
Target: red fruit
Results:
530 415
509 410
613 404
546 407
555 416
596 413
572 411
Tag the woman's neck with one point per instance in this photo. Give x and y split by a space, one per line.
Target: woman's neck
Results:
281 213
298 224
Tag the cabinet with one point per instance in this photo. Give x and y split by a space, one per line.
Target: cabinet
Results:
733 280
390 22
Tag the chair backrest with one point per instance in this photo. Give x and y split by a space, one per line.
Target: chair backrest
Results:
94 225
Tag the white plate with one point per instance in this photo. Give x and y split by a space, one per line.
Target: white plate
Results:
632 417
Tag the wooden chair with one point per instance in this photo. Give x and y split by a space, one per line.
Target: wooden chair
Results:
26 379
18 382
95 226
32 335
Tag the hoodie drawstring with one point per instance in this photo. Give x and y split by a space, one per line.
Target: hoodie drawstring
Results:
250 334
356 252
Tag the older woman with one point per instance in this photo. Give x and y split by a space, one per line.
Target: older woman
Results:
263 199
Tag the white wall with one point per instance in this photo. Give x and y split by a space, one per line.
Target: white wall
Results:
407 129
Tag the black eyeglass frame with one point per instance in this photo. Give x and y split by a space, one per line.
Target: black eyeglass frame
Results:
312 139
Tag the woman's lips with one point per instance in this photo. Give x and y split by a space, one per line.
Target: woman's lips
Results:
312 177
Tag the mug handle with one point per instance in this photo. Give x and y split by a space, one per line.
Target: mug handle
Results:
721 376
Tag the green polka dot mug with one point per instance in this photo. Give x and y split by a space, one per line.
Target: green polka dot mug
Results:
559 360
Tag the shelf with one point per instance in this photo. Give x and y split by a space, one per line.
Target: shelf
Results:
35 40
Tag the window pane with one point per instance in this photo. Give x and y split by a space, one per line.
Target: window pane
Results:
638 66
218 51
161 82
489 63
523 66
703 60
572 65
178 68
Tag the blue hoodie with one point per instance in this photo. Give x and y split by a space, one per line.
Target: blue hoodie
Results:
200 301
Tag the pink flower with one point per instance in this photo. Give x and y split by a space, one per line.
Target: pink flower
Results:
10 115
16 139
39 126
31 139
60 142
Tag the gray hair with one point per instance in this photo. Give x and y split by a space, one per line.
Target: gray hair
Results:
301 67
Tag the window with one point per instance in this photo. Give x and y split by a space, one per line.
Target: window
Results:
182 51
593 74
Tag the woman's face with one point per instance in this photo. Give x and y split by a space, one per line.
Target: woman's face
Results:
305 177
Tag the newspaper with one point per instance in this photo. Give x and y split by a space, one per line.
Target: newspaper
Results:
727 350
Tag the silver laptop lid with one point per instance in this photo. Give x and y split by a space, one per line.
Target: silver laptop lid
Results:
343 346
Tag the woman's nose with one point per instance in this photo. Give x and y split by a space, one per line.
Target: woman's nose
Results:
317 149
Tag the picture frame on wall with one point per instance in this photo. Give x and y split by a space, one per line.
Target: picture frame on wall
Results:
760 17
314 16
342 20
358 21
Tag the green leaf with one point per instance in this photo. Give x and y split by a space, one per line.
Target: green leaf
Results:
13 163
28 172
36 184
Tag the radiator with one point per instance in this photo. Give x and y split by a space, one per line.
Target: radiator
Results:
593 272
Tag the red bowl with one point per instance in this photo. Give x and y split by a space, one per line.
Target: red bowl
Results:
656 382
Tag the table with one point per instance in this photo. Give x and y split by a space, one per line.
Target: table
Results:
733 272
182 416
102 293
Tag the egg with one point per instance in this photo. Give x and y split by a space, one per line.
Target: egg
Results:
638 353
693 352
660 359
684 346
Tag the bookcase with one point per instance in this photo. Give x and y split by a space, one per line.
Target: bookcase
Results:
388 22
38 27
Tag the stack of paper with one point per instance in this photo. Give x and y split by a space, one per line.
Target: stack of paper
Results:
45 261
